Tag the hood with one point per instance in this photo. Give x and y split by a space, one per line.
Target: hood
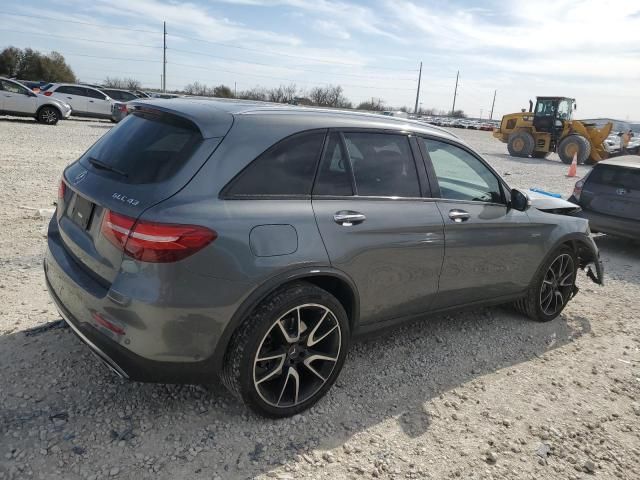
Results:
547 203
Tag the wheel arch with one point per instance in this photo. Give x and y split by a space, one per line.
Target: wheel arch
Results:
336 282
585 251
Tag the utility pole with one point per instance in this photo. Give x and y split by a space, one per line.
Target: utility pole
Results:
415 110
455 93
164 57
235 90
481 114
493 104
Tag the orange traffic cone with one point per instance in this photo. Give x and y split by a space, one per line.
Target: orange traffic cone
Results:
573 168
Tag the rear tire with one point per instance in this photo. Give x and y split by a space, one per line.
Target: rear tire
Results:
288 352
552 287
48 115
521 144
574 144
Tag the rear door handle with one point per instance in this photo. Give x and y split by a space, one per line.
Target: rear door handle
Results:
459 216
347 218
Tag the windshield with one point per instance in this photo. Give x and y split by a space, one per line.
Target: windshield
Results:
144 148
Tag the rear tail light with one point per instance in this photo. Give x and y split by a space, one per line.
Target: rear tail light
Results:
155 242
122 107
48 94
62 189
577 189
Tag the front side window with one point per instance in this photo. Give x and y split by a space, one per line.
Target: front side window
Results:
94 94
13 88
286 169
460 175
382 164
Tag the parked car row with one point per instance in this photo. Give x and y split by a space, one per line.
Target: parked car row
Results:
50 102
463 123
20 101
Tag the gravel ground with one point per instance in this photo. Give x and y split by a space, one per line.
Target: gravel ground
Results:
479 394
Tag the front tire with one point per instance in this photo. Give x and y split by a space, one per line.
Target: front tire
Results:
574 145
520 144
48 115
288 352
552 287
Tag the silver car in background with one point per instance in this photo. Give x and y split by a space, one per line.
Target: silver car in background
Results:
18 100
203 238
85 101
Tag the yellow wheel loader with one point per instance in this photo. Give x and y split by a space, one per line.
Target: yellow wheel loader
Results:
550 128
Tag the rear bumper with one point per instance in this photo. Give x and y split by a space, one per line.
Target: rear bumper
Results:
156 333
612 225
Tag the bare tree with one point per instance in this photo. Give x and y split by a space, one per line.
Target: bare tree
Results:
376 105
256 93
124 83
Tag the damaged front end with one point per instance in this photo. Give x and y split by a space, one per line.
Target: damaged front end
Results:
589 259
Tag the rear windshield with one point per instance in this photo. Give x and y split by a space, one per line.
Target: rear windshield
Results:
620 177
144 148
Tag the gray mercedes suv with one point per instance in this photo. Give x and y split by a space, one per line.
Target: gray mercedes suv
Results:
203 238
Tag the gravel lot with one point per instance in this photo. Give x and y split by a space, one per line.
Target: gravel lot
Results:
480 394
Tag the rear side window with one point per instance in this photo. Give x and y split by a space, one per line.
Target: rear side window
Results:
144 148
70 90
620 177
382 164
286 169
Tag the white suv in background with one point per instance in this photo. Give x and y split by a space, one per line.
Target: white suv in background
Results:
18 100
85 101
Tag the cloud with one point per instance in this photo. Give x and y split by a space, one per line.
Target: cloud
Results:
331 29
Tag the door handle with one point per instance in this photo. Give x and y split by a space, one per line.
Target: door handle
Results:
459 216
70 98
347 218
90 101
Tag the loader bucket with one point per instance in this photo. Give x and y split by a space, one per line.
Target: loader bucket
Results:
596 137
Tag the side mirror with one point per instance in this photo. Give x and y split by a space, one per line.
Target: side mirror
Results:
519 200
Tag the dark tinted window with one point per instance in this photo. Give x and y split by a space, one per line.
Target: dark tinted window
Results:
620 177
145 148
285 169
71 90
95 94
334 176
382 165
460 175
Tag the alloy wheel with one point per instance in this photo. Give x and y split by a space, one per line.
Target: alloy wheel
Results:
49 116
557 285
297 355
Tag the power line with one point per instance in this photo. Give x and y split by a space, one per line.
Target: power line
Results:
280 54
290 68
76 38
110 27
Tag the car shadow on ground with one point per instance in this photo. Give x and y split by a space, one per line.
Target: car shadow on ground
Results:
55 384
22 120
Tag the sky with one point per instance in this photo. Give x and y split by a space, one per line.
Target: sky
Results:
585 49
